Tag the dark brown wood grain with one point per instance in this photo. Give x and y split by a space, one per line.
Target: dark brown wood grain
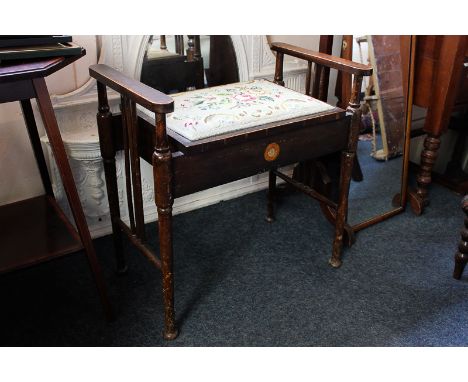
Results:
278 79
48 235
347 161
194 172
164 199
35 140
447 80
439 83
142 94
327 60
322 77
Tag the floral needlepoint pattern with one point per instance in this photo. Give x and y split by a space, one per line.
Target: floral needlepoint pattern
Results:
218 110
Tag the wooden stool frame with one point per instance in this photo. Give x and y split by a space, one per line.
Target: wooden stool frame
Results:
183 167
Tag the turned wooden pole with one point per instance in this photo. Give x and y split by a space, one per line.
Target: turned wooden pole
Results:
347 162
162 171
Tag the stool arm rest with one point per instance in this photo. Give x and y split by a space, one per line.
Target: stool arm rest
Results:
323 59
142 94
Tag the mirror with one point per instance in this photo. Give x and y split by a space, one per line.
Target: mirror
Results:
173 64
176 63
383 135
379 179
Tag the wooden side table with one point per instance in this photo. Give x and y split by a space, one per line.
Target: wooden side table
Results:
36 230
441 86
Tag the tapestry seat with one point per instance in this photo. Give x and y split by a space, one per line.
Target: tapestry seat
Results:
205 113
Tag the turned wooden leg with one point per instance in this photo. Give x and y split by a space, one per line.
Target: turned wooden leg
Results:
461 257
271 197
347 163
419 198
165 245
106 142
162 171
324 186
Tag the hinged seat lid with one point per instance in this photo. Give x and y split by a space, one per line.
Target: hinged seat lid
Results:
205 113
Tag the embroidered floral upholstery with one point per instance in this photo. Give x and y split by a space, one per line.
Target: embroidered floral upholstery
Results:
208 112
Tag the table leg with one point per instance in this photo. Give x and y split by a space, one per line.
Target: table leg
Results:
28 115
58 149
419 198
448 73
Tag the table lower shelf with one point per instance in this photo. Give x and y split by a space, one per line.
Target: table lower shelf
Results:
33 231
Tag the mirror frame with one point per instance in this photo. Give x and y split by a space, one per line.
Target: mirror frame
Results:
399 200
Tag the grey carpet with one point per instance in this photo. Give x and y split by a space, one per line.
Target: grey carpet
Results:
243 282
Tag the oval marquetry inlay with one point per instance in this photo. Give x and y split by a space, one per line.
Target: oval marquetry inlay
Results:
271 152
